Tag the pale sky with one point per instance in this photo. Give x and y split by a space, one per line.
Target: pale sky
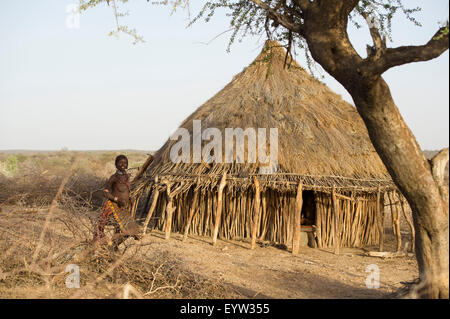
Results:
64 87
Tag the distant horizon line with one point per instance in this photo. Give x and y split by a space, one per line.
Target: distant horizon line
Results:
73 150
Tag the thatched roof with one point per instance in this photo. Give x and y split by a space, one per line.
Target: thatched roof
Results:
321 138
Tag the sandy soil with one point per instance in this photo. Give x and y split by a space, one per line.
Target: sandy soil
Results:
270 272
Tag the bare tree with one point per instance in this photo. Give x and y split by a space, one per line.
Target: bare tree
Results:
320 27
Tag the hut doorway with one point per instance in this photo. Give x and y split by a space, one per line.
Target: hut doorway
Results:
308 217
308 209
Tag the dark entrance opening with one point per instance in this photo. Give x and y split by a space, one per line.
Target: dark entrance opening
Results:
308 209
308 217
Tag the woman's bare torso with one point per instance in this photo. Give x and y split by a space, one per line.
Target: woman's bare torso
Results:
120 188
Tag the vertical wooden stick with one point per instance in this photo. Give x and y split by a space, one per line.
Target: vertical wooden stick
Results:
147 202
169 212
356 223
397 226
264 216
318 223
152 208
256 214
134 206
297 219
335 208
395 222
222 184
349 221
379 206
207 212
150 211
330 222
409 221
191 214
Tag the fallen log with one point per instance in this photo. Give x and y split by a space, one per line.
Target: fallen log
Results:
388 254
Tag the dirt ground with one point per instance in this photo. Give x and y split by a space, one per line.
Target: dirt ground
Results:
266 272
270 272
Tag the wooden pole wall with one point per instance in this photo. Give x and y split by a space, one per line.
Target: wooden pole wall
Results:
341 220
297 219
219 207
409 221
337 224
150 211
395 221
379 204
152 207
192 211
169 212
318 223
256 214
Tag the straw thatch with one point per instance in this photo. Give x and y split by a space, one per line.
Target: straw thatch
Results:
322 143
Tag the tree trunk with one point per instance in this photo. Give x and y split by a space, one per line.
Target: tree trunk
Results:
397 148
411 171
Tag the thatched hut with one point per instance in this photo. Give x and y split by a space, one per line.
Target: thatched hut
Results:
328 178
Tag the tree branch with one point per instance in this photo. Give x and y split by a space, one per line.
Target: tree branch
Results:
438 163
279 18
407 54
379 43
